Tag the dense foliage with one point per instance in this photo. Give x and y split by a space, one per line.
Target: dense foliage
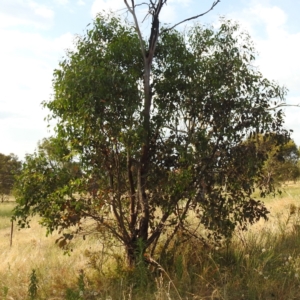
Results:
150 160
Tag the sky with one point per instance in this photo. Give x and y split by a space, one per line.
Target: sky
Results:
36 33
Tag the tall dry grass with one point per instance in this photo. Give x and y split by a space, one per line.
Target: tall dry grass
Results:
262 263
32 250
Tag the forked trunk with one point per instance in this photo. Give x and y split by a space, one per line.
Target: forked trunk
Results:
134 252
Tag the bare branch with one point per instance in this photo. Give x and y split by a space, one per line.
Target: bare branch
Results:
140 4
132 11
283 105
192 18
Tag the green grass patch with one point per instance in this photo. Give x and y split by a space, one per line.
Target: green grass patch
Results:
6 209
288 191
292 191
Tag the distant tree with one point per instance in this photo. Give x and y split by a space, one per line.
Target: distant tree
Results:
283 157
154 153
9 167
287 158
282 164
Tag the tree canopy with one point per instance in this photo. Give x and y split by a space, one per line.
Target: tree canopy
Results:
150 156
283 159
9 167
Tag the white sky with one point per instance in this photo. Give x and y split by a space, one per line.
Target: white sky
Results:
35 34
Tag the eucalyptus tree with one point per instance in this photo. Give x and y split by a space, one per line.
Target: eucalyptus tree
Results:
158 128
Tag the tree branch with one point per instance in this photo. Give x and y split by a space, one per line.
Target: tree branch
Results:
192 18
132 11
283 105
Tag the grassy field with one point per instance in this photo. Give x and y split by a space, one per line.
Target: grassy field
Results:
262 263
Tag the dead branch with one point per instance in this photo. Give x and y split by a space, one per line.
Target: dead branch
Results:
193 18
283 105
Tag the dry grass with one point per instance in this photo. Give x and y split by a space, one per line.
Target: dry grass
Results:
279 206
262 263
31 250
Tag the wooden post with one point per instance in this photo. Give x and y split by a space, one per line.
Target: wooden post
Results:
11 232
